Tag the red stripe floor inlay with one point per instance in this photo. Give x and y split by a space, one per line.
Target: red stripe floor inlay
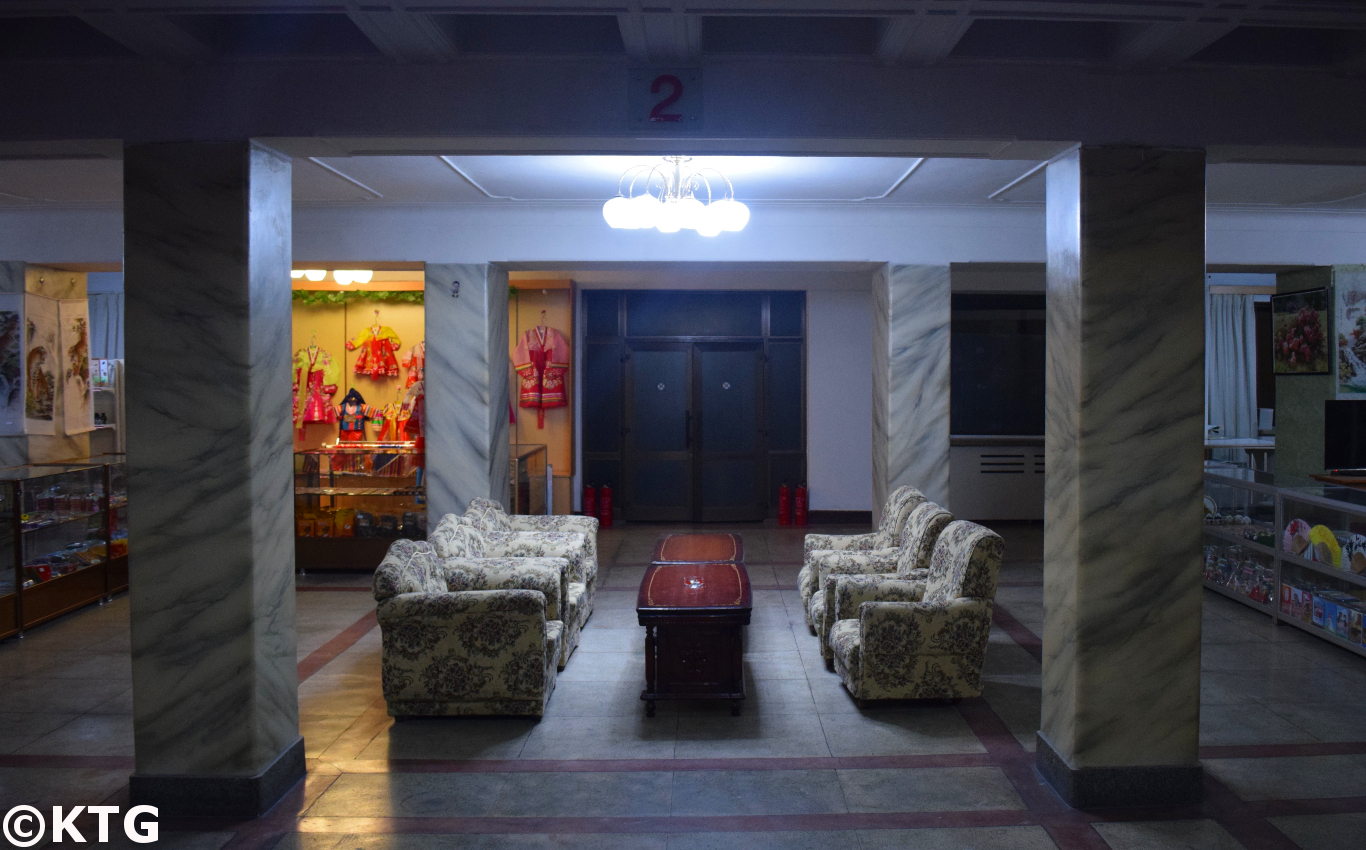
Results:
1018 632
317 588
319 657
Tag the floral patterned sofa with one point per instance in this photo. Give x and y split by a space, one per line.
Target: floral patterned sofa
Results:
896 638
461 544
888 532
489 516
451 649
910 560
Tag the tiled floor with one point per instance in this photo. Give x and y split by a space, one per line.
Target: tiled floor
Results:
1283 732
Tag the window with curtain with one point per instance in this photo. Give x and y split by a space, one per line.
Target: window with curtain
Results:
1231 365
106 325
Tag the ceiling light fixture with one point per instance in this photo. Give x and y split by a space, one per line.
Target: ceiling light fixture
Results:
668 200
346 277
315 275
296 273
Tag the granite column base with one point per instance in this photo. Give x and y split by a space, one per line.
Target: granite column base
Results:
220 796
1107 787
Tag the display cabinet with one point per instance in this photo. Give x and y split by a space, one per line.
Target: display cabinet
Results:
1240 535
64 537
1291 548
352 499
530 477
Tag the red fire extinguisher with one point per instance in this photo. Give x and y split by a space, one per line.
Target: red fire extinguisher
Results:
799 506
784 505
590 500
605 506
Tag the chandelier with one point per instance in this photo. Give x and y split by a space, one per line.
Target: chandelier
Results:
668 197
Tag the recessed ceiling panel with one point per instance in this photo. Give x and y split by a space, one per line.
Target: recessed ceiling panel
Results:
92 181
970 181
403 179
1308 186
755 178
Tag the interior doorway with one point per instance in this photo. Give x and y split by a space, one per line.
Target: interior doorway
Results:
694 401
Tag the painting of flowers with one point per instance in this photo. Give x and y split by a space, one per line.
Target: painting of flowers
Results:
1299 333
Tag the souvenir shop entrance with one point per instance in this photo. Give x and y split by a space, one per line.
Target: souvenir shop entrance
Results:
359 353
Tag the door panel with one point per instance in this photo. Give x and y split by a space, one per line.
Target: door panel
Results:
729 459
659 480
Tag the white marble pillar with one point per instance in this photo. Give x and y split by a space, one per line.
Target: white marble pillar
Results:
1123 447
206 274
467 386
911 311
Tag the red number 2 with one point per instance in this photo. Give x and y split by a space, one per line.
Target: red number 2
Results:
658 113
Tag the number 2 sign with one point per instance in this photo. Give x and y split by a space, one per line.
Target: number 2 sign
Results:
665 100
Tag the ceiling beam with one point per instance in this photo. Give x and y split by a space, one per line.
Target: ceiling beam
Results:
1159 46
661 36
407 37
920 40
149 36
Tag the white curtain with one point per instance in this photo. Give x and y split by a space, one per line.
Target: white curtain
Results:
1231 366
106 326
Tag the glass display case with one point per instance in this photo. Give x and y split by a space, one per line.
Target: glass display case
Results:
66 530
529 476
1292 548
352 499
1240 535
1323 562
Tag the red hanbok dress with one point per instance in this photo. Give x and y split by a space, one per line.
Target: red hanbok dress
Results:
378 345
415 361
315 382
542 364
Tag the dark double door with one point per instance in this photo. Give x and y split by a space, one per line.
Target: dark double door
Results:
694 448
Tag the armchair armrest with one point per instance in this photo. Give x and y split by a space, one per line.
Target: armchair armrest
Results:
815 542
957 627
443 608
853 591
582 524
544 575
571 546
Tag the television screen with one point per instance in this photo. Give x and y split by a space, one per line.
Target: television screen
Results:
1344 434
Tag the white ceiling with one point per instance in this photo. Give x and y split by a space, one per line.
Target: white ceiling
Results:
503 180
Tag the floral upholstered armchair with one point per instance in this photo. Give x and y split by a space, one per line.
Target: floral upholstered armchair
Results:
910 560
448 651
489 516
462 547
904 639
888 532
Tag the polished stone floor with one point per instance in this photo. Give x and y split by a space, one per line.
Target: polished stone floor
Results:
1283 736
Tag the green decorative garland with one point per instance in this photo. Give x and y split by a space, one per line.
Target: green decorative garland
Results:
325 297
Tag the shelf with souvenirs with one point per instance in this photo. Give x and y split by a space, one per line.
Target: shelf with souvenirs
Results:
64 535
1291 548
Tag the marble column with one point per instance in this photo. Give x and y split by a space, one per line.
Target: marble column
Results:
467 386
1123 448
215 684
911 311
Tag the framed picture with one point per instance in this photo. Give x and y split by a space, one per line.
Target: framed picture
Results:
1300 333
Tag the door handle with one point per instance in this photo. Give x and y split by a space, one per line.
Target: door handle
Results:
687 430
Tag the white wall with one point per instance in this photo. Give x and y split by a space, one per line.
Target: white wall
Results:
839 354
839 400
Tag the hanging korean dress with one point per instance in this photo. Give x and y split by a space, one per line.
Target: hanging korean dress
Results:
352 414
377 345
542 364
415 361
316 376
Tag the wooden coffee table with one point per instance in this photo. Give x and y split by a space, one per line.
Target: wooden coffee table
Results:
694 614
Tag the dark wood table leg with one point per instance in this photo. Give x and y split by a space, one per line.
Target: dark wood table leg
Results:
650 669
